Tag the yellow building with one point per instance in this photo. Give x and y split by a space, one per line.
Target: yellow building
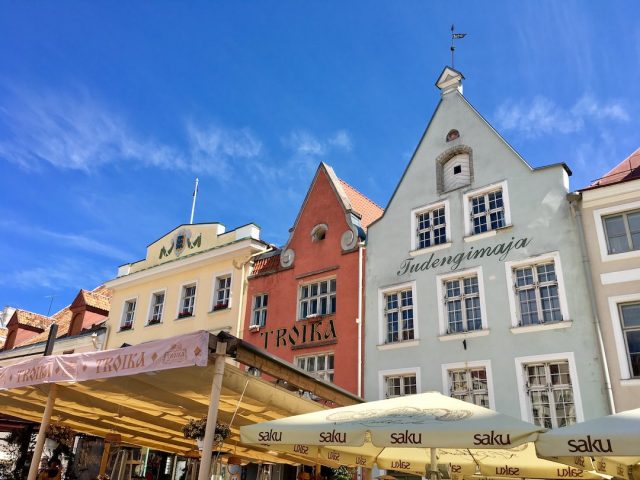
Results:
193 278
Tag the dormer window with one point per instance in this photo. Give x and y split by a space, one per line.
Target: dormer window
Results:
319 232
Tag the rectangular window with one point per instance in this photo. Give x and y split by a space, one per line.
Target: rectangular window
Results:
188 301
128 314
550 394
319 365
431 227
259 316
399 385
536 288
157 305
622 232
487 212
469 385
462 304
222 293
630 318
398 312
318 299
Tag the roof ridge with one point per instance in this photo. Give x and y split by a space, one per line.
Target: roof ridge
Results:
360 193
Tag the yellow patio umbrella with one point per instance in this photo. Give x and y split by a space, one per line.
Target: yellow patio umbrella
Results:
413 434
610 445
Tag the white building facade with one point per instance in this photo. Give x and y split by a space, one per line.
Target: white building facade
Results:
475 284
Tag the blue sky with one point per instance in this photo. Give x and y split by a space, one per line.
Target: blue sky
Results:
109 110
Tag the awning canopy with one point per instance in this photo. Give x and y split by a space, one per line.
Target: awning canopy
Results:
147 392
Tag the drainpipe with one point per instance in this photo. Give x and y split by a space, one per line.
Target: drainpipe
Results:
359 319
574 198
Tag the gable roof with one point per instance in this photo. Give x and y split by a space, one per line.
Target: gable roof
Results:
99 298
31 319
626 170
369 210
266 263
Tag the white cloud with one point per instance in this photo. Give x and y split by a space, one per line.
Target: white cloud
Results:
56 275
76 132
305 143
542 116
341 139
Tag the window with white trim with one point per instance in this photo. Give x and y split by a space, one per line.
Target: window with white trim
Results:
462 304
128 314
487 211
630 319
157 306
222 293
318 298
537 294
259 314
622 232
320 365
550 393
469 385
398 313
187 300
399 385
431 227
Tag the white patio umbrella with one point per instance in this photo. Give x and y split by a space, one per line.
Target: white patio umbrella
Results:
402 433
612 441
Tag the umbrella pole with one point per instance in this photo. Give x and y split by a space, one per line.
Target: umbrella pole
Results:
46 417
212 414
433 473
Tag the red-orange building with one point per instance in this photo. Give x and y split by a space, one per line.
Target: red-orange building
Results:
304 300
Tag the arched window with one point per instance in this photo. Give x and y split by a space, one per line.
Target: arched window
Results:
454 168
319 232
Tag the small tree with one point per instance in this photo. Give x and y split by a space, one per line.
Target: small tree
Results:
341 473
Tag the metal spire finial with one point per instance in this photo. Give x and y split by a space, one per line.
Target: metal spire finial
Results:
454 36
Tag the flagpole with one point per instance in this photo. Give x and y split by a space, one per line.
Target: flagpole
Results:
193 204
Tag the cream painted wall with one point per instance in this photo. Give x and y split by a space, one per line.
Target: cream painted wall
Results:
199 268
616 279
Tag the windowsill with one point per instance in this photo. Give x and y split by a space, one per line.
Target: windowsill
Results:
316 318
422 251
612 257
182 317
215 310
488 234
630 382
255 329
152 324
463 335
402 344
542 327
125 329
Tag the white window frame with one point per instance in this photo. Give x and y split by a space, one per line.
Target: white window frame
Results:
513 301
618 335
264 310
123 312
326 370
150 309
486 364
598 218
383 374
214 289
414 227
466 204
299 301
181 299
525 404
442 314
382 320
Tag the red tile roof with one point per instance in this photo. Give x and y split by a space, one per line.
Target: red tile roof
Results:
32 319
99 298
367 208
628 169
266 264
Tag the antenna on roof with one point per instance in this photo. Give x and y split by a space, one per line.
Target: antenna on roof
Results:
455 36
50 303
193 204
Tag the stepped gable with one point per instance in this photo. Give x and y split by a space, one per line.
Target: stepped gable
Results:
363 205
627 170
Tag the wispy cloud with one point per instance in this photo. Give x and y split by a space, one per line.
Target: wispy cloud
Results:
540 115
77 132
56 275
70 240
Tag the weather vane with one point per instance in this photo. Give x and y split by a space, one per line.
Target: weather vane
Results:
455 36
